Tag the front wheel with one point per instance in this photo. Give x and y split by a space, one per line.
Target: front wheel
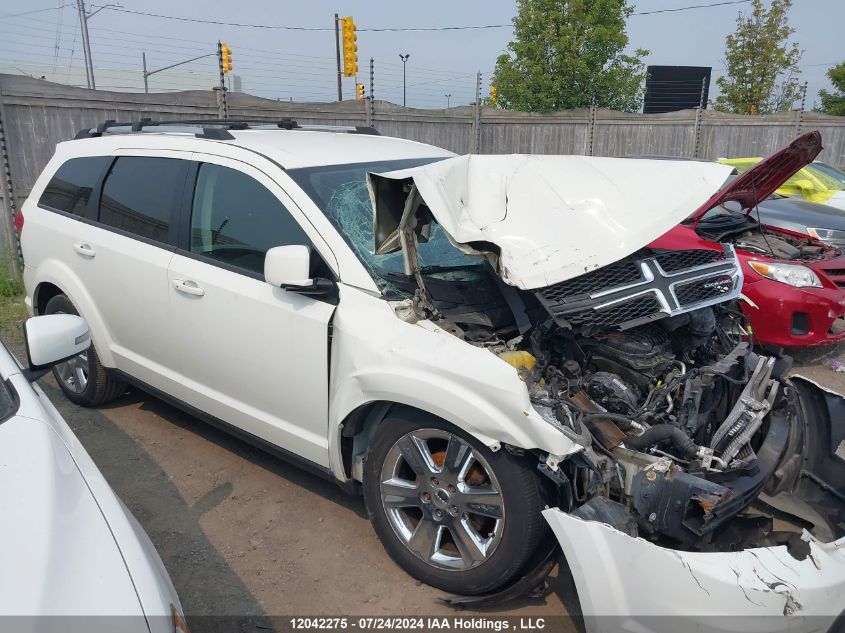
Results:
83 379
448 510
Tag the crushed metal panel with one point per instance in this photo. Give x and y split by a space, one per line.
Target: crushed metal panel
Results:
548 218
626 583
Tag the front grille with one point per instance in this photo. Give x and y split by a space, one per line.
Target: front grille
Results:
643 287
640 309
836 272
703 290
673 261
621 273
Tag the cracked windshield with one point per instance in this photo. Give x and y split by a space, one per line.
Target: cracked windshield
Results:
340 191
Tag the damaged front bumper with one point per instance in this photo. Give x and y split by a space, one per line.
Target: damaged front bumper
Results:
626 583
630 584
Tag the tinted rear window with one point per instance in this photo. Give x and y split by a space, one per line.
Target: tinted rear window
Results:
141 195
70 189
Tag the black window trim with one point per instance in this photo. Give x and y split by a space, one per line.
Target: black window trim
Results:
180 229
13 395
90 207
91 216
177 199
184 234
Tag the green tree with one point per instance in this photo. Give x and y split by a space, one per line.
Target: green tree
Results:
569 54
834 102
762 65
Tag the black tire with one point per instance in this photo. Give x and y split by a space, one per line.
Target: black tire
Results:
523 527
102 386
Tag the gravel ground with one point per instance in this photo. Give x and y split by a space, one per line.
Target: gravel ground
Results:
244 534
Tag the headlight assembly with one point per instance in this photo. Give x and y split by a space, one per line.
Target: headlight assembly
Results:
791 274
827 235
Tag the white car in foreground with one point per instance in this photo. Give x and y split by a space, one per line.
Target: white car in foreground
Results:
72 553
483 345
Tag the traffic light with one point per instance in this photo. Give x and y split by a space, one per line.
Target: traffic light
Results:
350 48
225 55
359 91
493 94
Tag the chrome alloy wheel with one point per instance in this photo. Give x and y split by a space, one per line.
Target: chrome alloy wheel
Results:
442 499
74 372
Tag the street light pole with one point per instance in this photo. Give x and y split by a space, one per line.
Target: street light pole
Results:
147 73
404 59
448 100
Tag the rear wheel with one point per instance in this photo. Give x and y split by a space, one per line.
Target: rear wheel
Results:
83 379
447 509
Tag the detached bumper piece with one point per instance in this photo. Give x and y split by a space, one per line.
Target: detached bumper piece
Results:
629 584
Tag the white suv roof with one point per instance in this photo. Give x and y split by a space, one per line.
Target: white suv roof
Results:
311 146
305 148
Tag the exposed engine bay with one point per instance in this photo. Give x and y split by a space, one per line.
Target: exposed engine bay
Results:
690 438
746 233
685 428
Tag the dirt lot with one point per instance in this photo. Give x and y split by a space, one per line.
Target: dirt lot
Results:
244 534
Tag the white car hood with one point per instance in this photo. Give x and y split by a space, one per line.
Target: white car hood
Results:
59 556
549 218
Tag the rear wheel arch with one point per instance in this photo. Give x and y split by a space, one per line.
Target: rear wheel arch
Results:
44 291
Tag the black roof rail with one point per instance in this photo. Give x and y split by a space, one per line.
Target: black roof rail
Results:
216 129
366 129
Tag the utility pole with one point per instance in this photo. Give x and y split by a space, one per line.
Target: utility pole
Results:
144 63
476 119
222 51
84 16
337 51
404 59
86 43
799 125
371 109
448 100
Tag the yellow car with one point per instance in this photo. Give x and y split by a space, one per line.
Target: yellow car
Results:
811 183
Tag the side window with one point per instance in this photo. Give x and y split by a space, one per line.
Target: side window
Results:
141 195
70 188
235 219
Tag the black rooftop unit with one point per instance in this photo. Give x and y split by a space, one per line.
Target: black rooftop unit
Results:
671 88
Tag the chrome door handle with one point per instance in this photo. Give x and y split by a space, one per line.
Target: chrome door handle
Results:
85 250
188 287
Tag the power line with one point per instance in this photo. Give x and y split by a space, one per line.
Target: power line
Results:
694 6
15 15
388 29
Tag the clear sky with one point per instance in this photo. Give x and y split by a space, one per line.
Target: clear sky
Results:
301 64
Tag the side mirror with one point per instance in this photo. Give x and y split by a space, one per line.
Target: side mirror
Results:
289 267
52 339
804 184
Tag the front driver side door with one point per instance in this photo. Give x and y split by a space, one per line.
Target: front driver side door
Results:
247 353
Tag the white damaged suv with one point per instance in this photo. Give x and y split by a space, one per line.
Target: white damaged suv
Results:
486 346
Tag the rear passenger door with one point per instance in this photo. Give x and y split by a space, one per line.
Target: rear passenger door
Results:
250 354
124 257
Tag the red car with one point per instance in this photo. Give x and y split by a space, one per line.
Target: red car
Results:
794 285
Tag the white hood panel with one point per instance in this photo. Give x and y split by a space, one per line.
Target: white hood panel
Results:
552 217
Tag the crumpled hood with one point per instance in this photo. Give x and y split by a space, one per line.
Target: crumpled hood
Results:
541 219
